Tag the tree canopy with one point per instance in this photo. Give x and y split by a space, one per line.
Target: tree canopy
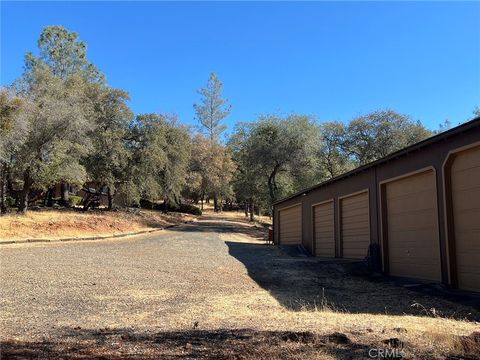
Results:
62 123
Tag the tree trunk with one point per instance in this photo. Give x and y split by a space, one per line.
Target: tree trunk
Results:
203 196
64 194
252 215
220 203
3 189
246 209
49 197
215 202
110 198
272 185
27 185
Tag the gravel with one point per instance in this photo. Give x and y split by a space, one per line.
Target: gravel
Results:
147 281
204 279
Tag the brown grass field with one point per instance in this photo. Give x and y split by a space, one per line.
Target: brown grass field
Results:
55 224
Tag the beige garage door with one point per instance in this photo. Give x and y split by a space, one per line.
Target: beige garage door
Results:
355 226
291 225
324 229
413 245
466 217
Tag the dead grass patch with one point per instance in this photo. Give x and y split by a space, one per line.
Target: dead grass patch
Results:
55 224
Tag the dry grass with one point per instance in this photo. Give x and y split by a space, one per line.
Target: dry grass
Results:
54 224
430 334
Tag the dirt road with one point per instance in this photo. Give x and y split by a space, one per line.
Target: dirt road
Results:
210 289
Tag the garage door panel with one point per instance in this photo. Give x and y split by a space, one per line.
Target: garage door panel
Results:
355 199
465 180
413 271
361 217
290 226
355 223
412 225
466 199
467 159
470 260
349 213
468 221
469 281
417 202
402 222
355 226
360 233
426 263
411 185
324 236
353 208
290 216
323 219
355 253
467 244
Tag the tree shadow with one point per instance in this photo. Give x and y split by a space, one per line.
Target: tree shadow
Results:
300 283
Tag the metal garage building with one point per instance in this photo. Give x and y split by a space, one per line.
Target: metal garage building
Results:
420 207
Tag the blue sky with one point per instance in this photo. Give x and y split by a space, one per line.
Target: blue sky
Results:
329 59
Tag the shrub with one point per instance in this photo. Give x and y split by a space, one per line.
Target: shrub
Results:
189 209
147 204
74 200
183 208
10 201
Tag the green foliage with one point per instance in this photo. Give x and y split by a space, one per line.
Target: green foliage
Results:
375 135
211 169
278 156
63 54
166 206
159 156
107 162
186 209
75 200
269 149
333 157
10 201
61 123
213 108
476 111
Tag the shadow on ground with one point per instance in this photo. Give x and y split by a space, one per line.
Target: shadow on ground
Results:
306 283
192 344
310 283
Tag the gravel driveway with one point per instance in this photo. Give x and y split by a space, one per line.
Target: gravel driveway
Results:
132 296
147 281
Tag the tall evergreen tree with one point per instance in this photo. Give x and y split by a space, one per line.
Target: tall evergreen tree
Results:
213 108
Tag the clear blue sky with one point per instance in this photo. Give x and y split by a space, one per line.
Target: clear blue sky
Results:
332 60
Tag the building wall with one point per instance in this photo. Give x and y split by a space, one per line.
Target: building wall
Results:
373 178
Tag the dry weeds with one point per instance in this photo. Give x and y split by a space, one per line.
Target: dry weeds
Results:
55 224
